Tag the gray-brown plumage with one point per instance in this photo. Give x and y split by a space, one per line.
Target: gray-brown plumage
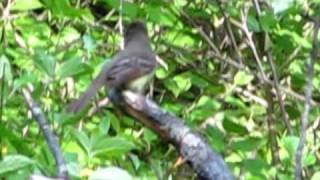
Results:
132 68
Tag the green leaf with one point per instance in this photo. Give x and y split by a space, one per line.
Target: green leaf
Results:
160 15
112 146
268 20
62 8
25 5
242 78
297 38
231 126
281 5
13 163
253 24
149 135
24 80
291 145
183 82
180 83
316 176
83 140
309 160
45 62
114 121
255 166
162 73
104 126
5 69
110 173
89 43
209 103
246 145
216 138
129 9
71 67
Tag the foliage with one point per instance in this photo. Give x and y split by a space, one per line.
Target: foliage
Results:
57 47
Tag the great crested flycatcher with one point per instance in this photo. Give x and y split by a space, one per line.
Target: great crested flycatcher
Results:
131 69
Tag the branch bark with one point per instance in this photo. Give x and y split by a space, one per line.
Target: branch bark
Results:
51 138
192 147
307 105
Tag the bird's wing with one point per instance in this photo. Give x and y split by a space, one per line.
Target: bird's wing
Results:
128 69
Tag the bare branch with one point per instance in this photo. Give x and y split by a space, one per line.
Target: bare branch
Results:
276 84
192 147
307 105
51 138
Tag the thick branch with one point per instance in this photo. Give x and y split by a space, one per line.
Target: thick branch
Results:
192 147
51 139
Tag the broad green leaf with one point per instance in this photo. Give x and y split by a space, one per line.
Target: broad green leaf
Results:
179 84
216 138
71 67
110 173
83 140
281 5
246 145
25 5
112 146
268 20
162 73
291 144
104 126
255 166
297 38
253 24
135 161
70 35
172 86
114 121
89 43
235 102
231 126
159 15
24 80
242 78
309 160
149 135
316 176
45 62
208 102
5 69
13 163
130 9
62 8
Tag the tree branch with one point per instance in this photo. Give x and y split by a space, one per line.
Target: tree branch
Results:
192 147
51 139
307 105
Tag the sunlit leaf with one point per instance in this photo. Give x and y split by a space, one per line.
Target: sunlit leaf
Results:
14 163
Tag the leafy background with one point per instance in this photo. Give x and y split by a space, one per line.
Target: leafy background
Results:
57 47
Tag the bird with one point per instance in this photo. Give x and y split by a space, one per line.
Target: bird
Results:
130 69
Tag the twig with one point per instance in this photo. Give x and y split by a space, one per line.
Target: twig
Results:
121 22
217 54
192 147
268 81
307 105
202 33
51 138
251 44
268 52
2 90
272 128
230 32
